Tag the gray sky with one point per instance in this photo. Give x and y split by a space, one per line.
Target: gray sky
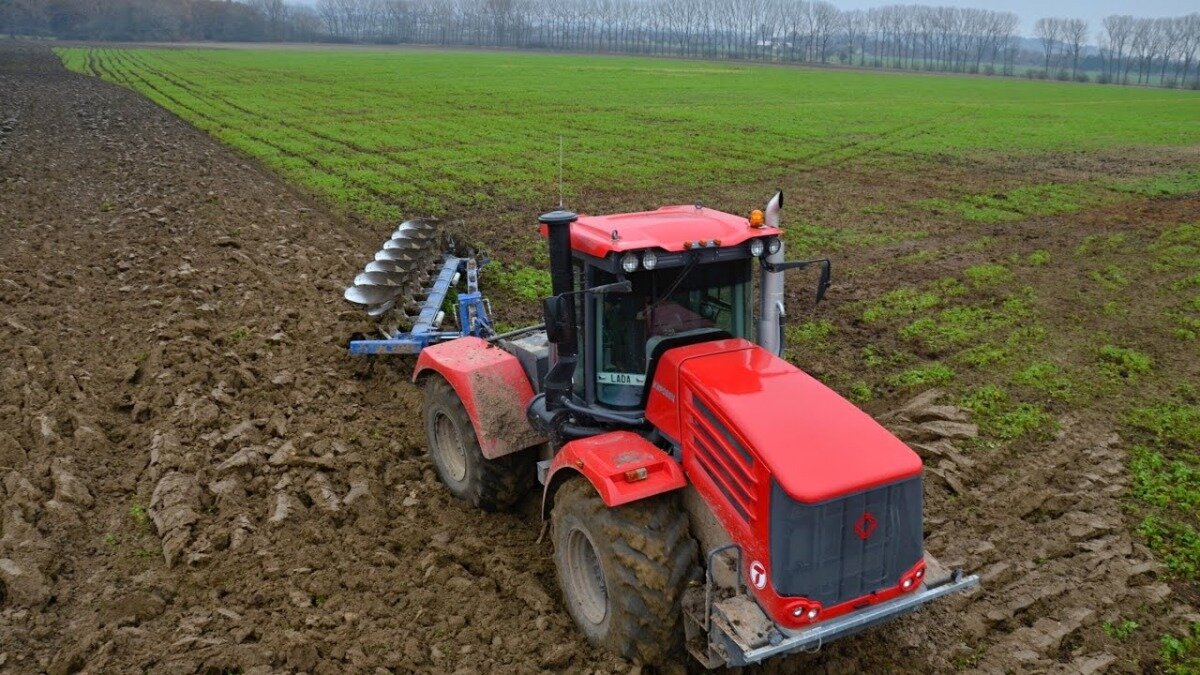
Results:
1093 11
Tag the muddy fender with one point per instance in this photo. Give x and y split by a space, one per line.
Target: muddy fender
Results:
622 466
493 388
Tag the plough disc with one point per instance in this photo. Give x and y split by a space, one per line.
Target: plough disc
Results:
395 280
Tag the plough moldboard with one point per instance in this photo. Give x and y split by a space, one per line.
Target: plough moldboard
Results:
406 288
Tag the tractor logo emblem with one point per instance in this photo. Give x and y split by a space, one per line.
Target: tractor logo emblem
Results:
758 575
865 525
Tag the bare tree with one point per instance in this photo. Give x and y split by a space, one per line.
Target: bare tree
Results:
1049 33
928 37
1145 42
1075 32
1119 29
1191 44
1171 37
274 12
853 28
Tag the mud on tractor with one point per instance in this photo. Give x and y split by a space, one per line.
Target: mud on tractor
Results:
703 494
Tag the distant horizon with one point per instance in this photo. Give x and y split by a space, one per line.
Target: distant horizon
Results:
1028 11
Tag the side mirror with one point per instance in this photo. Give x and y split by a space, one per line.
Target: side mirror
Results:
559 310
824 281
560 318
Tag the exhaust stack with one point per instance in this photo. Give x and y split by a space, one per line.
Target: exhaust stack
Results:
771 311
560 308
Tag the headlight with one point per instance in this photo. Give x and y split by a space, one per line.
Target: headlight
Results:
756 247
649 260
774 245
629 263
812 614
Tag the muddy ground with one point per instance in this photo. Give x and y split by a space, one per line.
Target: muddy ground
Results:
196 477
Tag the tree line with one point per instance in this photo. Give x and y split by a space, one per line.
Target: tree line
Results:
1124 49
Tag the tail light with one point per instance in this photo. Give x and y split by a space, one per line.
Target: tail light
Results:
913 578
806 610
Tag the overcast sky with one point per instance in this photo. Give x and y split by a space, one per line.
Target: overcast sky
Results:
1093 11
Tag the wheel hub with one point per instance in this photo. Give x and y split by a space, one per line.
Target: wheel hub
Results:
586 577
450 448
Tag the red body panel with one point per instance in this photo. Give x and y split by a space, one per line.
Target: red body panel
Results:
606 459
817 444
662 408
493 387
667 228
814 443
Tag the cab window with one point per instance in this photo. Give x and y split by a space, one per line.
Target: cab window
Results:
662 303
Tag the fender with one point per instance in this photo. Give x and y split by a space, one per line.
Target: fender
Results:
493 388
613 464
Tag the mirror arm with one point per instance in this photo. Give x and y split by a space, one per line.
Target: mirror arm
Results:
622 286
826 271
791 264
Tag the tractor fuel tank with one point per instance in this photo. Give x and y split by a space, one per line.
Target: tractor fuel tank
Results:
824 503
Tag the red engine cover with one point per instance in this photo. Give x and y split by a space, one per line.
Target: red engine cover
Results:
768 419
815 443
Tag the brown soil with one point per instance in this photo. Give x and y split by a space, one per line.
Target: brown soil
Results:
197 477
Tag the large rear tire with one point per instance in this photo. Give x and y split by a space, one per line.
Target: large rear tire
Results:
491 484
623 570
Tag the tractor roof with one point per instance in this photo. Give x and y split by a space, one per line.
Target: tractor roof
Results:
668 228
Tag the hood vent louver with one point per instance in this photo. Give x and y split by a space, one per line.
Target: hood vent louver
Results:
726 461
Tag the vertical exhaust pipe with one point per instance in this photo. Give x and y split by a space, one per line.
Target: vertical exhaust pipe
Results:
559 309
771 311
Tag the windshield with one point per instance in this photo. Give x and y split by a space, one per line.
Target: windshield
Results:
662 304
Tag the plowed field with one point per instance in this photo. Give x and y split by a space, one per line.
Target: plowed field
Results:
196 477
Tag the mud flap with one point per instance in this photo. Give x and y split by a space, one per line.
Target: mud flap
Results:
734 631
493 388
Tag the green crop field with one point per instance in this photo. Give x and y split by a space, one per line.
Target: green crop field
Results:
1032 248
392 133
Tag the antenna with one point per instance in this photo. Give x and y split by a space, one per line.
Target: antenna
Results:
560 171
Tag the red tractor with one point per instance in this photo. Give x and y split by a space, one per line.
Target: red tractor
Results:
702 492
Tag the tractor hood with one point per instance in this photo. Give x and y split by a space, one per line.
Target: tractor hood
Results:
816 444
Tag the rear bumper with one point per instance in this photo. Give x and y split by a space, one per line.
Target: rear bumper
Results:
811 639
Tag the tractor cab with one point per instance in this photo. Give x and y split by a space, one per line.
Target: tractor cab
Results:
650 281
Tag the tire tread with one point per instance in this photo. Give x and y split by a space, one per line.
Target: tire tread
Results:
652 556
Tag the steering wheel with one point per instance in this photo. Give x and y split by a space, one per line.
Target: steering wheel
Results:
711 308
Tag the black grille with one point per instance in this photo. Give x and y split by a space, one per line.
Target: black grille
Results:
817 553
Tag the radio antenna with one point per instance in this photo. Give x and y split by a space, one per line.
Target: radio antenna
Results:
560 171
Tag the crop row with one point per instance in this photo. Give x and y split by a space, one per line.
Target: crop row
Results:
391 132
